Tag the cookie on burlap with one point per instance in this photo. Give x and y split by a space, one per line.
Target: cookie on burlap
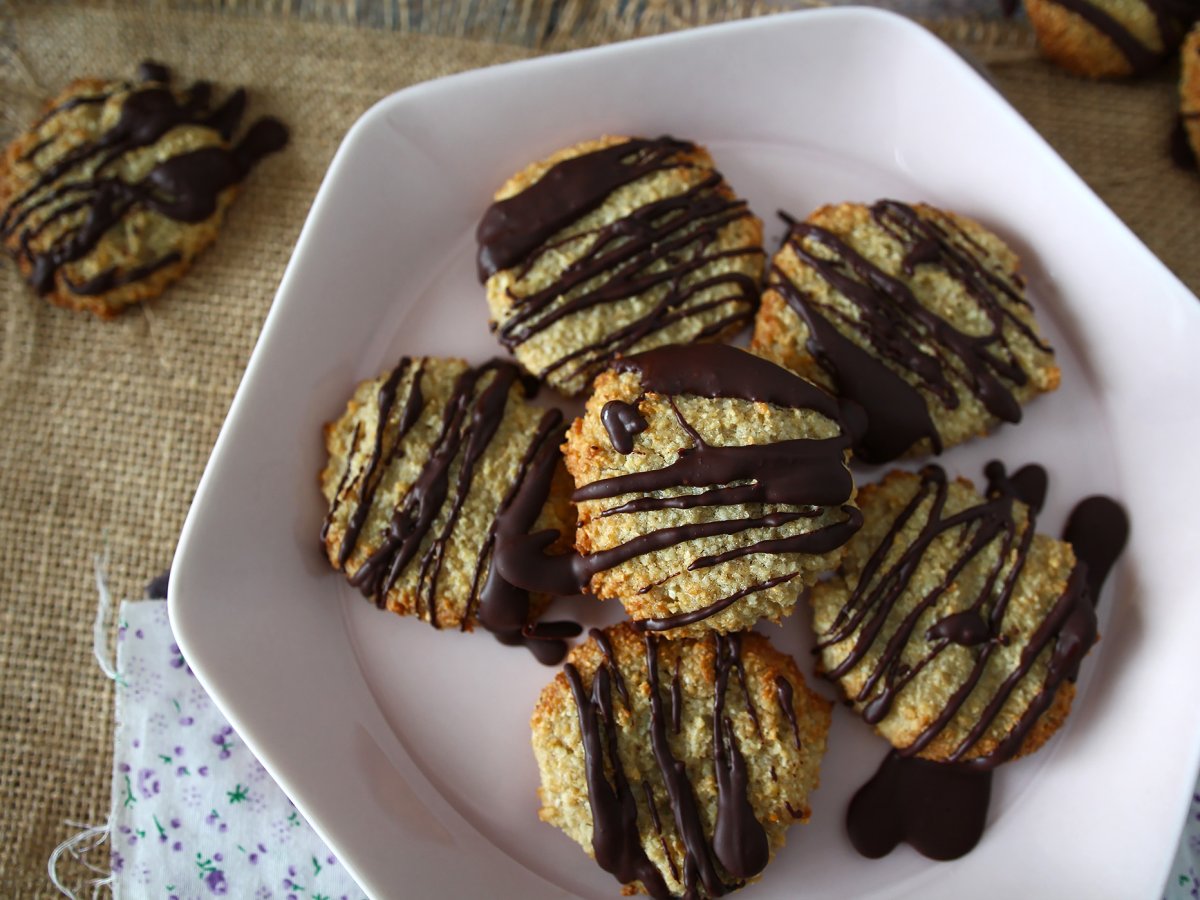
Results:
632 770
711 487
111 194
615 246
1189 91
952 627
422 467
916 314
1109 38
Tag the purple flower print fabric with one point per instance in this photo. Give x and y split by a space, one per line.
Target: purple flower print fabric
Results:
194 813
1184 880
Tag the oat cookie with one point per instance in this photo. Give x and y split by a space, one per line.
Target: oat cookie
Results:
952 627
1189 92
422 474
633 768
711 488
1109 38
615 246
916 314
112 193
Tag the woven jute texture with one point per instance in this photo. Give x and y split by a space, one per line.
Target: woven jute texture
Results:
105 427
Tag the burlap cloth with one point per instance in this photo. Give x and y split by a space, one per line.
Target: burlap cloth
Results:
105 427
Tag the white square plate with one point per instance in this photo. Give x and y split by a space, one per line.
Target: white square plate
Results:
408 750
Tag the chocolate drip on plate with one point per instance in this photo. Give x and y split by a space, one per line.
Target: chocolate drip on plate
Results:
184 188
940 809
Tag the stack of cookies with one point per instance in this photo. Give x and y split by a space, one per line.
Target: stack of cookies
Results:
707 488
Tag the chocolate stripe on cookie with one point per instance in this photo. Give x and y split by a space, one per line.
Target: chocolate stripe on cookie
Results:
738 842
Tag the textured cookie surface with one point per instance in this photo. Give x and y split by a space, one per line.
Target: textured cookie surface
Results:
1109 38
113 192
711 487
632 769
1189 91
422 466
916 314
612 247
951 626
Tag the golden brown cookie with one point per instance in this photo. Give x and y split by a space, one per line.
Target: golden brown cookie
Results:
1109 38
111 194
615 246
423 469
633 767
952 627
1189 91
711 486
916 314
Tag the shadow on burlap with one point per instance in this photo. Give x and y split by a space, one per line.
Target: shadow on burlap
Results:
106 426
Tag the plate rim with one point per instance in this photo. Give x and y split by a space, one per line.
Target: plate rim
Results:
182 610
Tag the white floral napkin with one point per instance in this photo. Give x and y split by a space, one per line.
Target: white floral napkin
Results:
1184 880
194 813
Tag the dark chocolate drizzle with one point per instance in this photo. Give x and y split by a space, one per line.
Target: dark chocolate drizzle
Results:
804 473
739 842
904 334
623 422
660 245
786 697
184 188
470 421
940 808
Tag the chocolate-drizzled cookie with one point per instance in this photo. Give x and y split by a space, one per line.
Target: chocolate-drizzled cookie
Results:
615 246
678 765
917 315
423 470
1110 38
711 487
1189 101
952 627
118 186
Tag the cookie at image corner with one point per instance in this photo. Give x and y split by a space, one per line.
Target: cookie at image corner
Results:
113 192
1110 38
